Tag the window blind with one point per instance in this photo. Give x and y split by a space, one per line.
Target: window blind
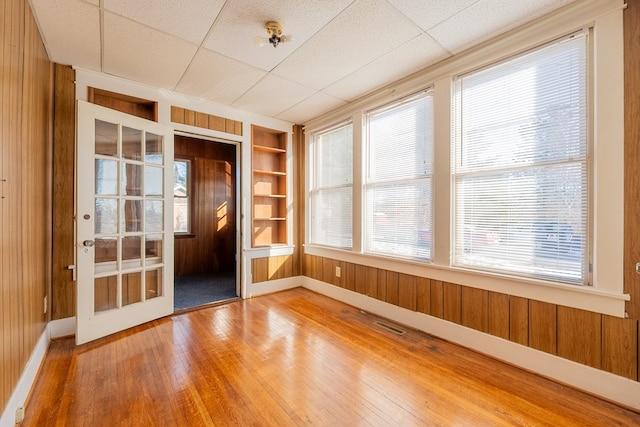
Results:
397 194
520 164
331 192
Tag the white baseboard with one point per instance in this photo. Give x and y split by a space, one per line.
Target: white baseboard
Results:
262 288
601 383
27 379
62 327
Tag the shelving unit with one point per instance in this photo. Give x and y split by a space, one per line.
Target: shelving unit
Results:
269 187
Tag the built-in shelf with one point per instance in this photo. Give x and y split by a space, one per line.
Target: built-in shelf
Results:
269 187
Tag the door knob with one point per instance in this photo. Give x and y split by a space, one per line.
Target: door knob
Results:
88 243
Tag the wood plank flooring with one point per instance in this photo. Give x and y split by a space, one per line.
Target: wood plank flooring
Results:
294 358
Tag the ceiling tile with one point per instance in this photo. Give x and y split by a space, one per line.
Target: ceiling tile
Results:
77 42
489 18
142 54
272 95
407 59
428 13
188 19
317 104
234 33
218 78
337 50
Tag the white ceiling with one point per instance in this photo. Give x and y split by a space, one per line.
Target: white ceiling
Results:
341 49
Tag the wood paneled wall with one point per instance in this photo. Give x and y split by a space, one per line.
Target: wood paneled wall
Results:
63 292
603 342
25 168
211 247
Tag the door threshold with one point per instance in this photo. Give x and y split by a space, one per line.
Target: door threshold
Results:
207 305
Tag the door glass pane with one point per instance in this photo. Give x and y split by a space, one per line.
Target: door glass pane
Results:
153 283
131 216
152 181
131 179
106 253
131 288
154 149
153 215
106 177
131 143
131 251
106 216
153 248
106 138
105 293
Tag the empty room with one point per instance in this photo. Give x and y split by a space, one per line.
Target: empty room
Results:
336 212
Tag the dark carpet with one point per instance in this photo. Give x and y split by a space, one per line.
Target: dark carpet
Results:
198 289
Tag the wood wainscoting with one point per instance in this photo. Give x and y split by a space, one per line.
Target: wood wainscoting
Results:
25 204
305 359
600 341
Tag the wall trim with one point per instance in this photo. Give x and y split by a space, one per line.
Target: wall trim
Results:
62 327
271 286
595 381
27 380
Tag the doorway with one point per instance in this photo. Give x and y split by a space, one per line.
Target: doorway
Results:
205 209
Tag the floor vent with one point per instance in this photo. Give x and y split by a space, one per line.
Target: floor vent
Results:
390 328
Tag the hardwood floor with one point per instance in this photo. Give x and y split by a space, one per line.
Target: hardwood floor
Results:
289 359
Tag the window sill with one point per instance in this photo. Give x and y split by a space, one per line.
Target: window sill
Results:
581 297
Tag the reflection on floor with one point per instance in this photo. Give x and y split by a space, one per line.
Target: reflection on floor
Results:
198 289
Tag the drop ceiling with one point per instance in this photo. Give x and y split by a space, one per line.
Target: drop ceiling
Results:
340 49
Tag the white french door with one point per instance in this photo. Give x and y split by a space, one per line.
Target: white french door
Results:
124 190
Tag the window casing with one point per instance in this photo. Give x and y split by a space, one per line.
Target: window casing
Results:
520 164
330 196
182 196
397 194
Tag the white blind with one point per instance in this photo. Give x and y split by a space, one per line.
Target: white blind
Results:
331 192
520 165
398 216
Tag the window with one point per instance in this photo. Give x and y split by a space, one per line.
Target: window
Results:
331 187
398 178
520 164
181 197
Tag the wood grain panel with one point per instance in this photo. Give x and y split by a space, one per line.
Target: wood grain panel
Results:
382 284
63 302
25 178
498 315
124 103
620 346
317 267
519 320
372 282
407 291
580 336
350 282
423 295
392 295
259 270
452 302
542 326
437 298
475 308
361 279
329 271
275 268
632 156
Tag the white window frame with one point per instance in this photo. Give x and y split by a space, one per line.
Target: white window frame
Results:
314 187
188 198
607 295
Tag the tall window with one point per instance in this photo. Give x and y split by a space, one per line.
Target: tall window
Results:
520 166
331 187
181 196
397 210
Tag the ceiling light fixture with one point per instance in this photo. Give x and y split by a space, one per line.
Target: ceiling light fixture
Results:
274 30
